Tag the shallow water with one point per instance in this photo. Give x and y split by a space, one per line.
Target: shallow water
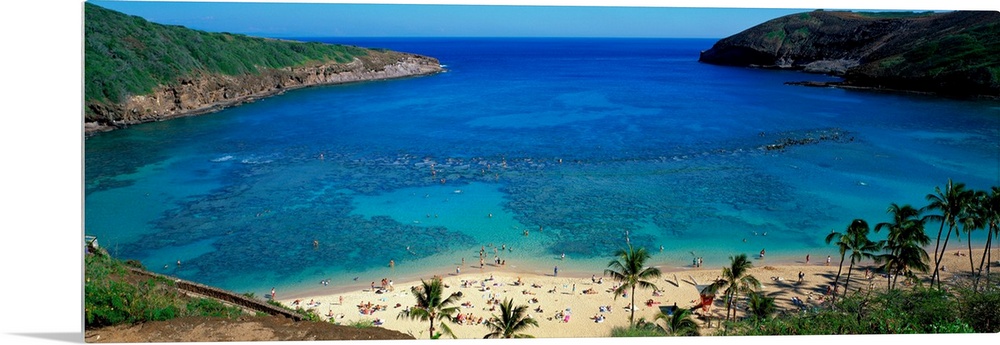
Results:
586 144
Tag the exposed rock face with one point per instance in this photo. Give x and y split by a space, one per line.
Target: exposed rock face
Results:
950 53
211 92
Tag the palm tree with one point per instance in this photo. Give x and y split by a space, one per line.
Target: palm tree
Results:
949 203
431 305
859 245
973 218
761 306
735 279
630 269
904 243
511 321
842 242
991 214
680 323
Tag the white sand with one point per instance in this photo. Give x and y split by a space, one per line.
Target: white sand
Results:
677 287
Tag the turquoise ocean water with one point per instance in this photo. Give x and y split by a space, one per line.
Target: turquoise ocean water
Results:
586 144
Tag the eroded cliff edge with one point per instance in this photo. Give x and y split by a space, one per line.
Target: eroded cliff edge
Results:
952 53
208 92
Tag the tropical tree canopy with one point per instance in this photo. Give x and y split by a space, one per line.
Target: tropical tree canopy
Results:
630 269
511 321
431 304
736 279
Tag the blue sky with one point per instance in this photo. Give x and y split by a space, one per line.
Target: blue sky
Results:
284 19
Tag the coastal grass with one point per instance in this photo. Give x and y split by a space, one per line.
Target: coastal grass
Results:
362 323
112 296
625 332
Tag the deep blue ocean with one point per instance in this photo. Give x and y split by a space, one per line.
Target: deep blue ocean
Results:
542 147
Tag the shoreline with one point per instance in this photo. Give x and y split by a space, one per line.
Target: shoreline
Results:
410 66
414 276
571 269
564 294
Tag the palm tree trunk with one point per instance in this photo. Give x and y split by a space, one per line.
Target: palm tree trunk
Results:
937 263
432 325
729 304
840 269
837 281
972 267
631 318
986 252
848 281
888 276
937 245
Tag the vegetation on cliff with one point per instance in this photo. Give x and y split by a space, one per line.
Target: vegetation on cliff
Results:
118 295
126 55
954 53
136 71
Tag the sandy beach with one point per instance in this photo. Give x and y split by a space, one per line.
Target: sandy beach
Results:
581 296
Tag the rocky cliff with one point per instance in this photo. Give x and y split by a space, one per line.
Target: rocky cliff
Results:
208 92
954 53
137 71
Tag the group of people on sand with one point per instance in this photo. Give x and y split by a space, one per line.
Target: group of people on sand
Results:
386 286
697 262
311 304
468 319
369 308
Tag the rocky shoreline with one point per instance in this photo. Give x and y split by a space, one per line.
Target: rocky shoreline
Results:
208 93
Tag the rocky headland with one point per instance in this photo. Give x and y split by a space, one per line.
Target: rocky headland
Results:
209 92
137 71
951 53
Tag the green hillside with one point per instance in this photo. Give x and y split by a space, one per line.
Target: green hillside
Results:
126 55
953 53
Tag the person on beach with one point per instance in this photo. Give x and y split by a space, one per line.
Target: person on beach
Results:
272 294
458 270
801 275
555 271
392 263
761 253
828 258
807 259
562 257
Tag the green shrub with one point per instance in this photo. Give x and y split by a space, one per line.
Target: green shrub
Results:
211 307
635 332
363 323
981 310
